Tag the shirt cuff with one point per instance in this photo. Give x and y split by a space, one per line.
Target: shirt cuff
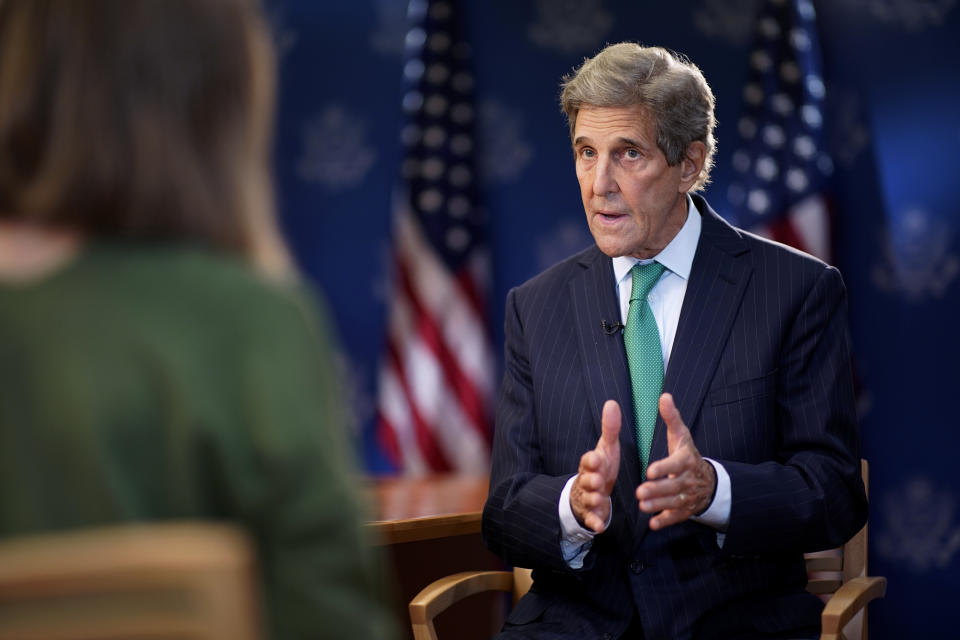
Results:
717 514
575 541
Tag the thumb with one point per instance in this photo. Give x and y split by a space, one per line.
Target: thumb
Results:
610 424
676 430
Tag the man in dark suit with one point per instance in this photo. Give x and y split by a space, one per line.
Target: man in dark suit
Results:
686 514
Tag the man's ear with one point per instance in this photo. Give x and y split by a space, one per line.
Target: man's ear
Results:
692 164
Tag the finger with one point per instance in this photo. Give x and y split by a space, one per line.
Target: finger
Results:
676 463
676 430
678 502
583 502
668 518
590 462
662 488
610 419
593 500
591 481
594 522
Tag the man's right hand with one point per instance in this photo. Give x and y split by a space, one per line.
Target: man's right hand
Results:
590 493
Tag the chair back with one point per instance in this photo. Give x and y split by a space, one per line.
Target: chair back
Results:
156 581
522 581
828 570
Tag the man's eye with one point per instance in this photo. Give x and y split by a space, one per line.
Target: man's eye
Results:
587 153
631 154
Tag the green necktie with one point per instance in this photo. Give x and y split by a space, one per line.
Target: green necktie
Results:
645 357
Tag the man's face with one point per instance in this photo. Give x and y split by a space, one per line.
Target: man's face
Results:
635 202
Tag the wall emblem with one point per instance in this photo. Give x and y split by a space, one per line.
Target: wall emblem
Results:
850 133
570 26
916 257
918 526
564 240
732 21
355 385
505 150
336 153
912 15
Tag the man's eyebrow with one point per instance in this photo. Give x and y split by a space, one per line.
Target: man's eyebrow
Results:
627 142
630 142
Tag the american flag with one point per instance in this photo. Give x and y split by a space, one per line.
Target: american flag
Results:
436 375
780 162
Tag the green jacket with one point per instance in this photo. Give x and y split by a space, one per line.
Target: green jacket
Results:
144 383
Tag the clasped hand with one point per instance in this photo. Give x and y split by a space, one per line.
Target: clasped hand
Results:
677 487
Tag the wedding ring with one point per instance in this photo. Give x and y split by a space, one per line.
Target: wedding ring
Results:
683 498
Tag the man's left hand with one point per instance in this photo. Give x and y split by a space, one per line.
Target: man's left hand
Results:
682 484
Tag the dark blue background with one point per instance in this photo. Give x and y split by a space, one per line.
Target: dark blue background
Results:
892 69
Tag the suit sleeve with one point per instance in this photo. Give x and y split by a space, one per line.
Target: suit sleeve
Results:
812 496
521 522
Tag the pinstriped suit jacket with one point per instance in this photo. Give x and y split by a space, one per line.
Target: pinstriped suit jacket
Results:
760 371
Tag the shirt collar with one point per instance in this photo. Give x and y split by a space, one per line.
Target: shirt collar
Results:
677 256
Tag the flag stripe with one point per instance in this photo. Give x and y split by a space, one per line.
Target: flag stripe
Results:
442 297
468 287
811 222
469 397
386 433
428 445
429 397
437 369
396 427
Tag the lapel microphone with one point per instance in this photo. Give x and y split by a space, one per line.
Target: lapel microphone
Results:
611 329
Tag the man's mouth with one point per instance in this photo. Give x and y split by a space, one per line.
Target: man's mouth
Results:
609 216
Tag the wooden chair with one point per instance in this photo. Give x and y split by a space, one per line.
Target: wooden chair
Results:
178 580
841 575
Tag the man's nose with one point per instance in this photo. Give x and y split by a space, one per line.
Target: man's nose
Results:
604 180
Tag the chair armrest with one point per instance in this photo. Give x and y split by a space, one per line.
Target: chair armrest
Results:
847 601
440 594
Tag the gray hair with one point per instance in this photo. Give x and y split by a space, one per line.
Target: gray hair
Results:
670 87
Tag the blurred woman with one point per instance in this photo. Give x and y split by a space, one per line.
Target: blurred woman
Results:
157 359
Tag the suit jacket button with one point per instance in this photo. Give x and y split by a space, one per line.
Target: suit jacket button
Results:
637 567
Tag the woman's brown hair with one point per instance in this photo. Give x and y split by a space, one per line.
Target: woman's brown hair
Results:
144 119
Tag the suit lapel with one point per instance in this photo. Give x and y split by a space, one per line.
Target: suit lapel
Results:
605 371
714 294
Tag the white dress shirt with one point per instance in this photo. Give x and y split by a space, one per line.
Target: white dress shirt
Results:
666 300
